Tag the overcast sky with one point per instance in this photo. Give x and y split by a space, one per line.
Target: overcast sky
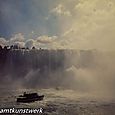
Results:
81 24
26 16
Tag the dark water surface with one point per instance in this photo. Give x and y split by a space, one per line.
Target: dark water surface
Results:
60 102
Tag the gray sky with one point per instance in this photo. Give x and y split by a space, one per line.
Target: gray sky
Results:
80 24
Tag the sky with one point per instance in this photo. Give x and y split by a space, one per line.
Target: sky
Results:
73 24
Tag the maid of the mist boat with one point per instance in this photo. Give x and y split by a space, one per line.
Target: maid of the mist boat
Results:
30 97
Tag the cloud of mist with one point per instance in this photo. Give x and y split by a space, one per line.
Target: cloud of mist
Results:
85 71
81 70
98 78
91 25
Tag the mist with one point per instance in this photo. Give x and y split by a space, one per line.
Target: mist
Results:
80 70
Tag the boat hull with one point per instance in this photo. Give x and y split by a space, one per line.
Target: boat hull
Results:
28 100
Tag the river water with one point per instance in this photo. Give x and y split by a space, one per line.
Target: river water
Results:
60 102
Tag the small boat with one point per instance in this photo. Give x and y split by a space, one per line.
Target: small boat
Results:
31 97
